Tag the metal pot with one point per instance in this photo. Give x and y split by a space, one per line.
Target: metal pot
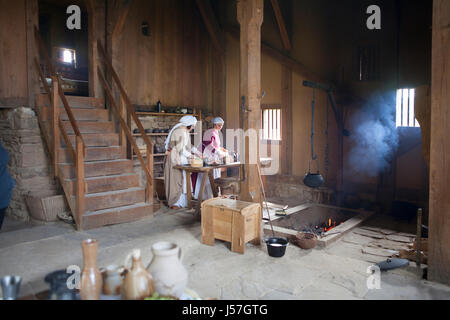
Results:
276 247
313 180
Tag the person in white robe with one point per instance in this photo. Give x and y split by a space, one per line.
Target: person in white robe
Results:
179 152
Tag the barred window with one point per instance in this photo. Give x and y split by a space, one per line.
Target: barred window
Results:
271 123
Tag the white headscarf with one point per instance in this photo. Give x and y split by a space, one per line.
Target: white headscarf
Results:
186 121
218 120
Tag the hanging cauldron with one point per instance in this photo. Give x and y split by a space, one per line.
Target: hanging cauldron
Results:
313 180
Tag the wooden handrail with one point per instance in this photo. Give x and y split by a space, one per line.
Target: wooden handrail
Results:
41 45
123 94
67 141
60 90
124 125
44 81
78 153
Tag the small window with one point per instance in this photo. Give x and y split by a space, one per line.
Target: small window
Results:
405 109
66 56
271 123
367 63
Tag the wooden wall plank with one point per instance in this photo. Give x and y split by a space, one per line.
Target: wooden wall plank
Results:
439 216
13 51
171 64
32 16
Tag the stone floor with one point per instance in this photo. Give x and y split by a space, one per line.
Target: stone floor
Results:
336 272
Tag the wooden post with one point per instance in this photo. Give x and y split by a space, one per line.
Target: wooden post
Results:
250 16
122 136
439 216
80 187
55 124
32 16
150 189
287 122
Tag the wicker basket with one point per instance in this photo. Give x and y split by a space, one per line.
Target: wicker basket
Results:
306 240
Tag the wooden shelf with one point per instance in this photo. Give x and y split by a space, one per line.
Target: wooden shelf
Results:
156 134
154 155
150 134
162 114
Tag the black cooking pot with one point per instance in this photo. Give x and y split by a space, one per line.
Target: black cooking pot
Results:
277 247
313 180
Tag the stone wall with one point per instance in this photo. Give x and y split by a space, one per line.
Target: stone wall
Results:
290 187
29 162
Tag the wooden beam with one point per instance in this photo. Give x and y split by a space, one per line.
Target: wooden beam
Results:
284 59
32 12
216 34
439 215
287 121
250 15
120 21
281 25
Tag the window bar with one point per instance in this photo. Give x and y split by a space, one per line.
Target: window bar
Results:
412 117
399 109
405 108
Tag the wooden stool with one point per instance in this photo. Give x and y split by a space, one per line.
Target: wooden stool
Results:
233 221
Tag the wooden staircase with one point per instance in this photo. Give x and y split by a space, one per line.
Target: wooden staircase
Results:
89 157
112 191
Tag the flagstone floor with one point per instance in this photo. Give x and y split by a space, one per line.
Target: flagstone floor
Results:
336 272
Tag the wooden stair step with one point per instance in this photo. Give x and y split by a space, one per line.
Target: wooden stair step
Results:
106 183
113 199
90 127
93 154
98 168
79 114
74 102
96 140
124 214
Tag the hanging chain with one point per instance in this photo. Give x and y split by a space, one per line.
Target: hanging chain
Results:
327 146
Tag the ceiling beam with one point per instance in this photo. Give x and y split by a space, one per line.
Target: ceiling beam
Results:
284 59
281 25
209 18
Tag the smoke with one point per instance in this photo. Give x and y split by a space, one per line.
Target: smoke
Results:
374 136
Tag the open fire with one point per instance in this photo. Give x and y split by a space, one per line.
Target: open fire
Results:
319 230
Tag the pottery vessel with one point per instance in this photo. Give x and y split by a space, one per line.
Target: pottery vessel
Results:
59 288
169 274
11 287
138 283
91 278
112 281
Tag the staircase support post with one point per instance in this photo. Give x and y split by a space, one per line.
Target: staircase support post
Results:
150 190
55 124
80 186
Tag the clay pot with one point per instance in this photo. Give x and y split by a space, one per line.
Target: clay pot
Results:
91 278
306 241
169 274
138 283
112 281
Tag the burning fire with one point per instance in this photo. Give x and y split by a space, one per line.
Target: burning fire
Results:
327 226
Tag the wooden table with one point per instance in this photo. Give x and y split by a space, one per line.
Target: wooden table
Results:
208 173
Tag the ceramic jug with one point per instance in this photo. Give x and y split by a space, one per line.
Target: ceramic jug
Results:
169 275
112 281
91 278
138 283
